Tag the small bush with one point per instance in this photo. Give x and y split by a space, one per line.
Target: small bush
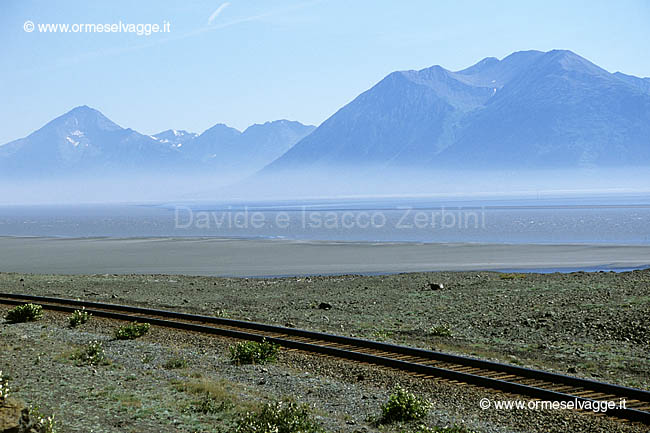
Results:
279 417
4 388
132 331
147 358
92 354
440 331
382 334
42 423
79 317
223 314
174 363
24 313
252 352
403 406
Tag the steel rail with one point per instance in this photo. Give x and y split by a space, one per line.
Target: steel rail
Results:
472 370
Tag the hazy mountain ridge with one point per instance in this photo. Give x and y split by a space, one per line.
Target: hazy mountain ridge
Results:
257 145
81 140
531 109
84 141
561 112
175 137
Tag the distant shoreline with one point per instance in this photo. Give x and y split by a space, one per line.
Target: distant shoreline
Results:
288 240
276 257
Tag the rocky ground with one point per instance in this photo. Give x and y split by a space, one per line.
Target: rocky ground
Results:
593 324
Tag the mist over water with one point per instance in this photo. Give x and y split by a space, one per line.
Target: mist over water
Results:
315 182
363 204
363 181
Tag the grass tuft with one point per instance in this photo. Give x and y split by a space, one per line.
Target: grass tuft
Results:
440 331
214 396
175 363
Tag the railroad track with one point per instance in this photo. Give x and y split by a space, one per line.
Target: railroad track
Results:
492 375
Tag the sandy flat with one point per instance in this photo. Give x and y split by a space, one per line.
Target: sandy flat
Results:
228 257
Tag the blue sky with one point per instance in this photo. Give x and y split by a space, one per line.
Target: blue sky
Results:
259 60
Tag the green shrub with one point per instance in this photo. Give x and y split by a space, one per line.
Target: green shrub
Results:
174 363
382 334
440 331
92 354
79 317
132 331
42 423
4 388
24 313
222 314
252 352
279 417
403 406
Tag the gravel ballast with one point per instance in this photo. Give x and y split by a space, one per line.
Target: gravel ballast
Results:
136 393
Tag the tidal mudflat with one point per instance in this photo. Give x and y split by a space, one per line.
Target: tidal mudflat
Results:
276 257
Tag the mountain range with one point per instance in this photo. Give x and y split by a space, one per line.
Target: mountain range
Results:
530 110
85 142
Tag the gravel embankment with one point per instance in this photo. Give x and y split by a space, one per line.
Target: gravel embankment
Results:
136 394
594 325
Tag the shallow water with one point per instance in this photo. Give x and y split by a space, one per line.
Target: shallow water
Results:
610 220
